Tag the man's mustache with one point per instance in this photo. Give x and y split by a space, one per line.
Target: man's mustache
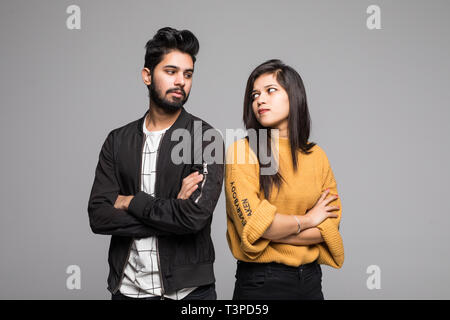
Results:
181 90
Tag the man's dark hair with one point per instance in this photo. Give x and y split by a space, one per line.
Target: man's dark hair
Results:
166 40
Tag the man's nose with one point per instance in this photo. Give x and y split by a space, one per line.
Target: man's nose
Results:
179 80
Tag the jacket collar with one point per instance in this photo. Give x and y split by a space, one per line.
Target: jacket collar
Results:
181 122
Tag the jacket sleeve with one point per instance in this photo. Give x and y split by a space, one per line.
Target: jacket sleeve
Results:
331 251
103 217
250 213
183 216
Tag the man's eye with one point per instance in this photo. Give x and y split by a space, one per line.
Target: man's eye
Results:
170 71
188 75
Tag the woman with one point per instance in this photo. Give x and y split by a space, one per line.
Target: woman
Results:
283 223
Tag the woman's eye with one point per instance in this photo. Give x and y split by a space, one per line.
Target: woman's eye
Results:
271 89
255 95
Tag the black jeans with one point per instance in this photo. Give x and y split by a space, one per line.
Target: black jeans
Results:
274 281
207 292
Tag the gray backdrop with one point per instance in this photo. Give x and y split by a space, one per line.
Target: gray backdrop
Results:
378 101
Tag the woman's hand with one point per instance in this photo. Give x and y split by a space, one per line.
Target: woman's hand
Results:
189 185
321 210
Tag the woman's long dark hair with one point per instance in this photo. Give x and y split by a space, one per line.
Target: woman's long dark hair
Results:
299 121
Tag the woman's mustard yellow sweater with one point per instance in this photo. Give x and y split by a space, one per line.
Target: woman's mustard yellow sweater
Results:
249 214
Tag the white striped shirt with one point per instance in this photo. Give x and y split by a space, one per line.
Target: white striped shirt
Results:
141 277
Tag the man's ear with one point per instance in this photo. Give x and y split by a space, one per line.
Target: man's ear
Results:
146 76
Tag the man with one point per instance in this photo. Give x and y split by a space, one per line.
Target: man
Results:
158 212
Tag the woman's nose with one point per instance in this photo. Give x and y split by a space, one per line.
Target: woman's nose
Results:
261 100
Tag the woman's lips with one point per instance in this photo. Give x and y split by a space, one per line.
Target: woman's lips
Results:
261 111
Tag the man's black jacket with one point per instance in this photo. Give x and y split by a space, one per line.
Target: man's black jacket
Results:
182 227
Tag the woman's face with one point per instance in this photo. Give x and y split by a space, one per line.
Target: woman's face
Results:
270 103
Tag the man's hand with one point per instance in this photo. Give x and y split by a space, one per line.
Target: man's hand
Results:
189 185
122 202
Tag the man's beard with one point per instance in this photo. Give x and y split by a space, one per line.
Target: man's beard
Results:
160 101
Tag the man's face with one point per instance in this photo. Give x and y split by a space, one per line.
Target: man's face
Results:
171 81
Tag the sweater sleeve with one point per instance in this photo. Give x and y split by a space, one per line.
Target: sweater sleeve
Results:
247 209
331 251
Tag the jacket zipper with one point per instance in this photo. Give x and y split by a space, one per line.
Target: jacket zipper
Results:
205 175
131 242
157 242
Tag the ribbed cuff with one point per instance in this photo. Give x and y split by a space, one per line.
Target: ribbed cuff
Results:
326 258
332 238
